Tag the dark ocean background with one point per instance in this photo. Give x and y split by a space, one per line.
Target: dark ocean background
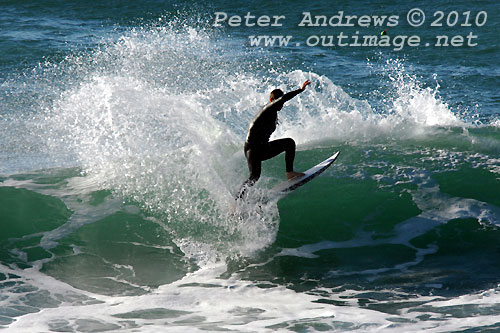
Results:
121 149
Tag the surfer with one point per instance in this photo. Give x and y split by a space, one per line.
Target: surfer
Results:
258 148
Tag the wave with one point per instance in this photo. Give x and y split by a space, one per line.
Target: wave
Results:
158 116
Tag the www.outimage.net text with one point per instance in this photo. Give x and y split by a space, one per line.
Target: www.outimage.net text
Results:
414 18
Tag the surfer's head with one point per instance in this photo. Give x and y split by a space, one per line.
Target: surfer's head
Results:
275 94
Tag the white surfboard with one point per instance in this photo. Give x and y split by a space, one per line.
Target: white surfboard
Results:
310 174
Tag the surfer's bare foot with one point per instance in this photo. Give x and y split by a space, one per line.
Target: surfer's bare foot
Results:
293 174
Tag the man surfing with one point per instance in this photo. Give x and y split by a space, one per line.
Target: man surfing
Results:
258 148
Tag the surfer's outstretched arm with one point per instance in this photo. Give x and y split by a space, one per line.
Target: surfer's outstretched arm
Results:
289 95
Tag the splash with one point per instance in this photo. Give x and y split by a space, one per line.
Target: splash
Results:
158 118
327 112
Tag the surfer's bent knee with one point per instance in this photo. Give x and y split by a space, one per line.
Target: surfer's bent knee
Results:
290 144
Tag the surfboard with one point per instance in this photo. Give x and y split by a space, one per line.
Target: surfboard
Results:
309 175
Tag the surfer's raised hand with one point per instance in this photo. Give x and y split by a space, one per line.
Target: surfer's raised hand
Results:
305 84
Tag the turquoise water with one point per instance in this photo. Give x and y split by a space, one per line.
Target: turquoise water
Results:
121 151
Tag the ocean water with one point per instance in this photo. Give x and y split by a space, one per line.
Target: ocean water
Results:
122 126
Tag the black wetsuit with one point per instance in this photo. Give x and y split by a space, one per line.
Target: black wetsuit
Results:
257 146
